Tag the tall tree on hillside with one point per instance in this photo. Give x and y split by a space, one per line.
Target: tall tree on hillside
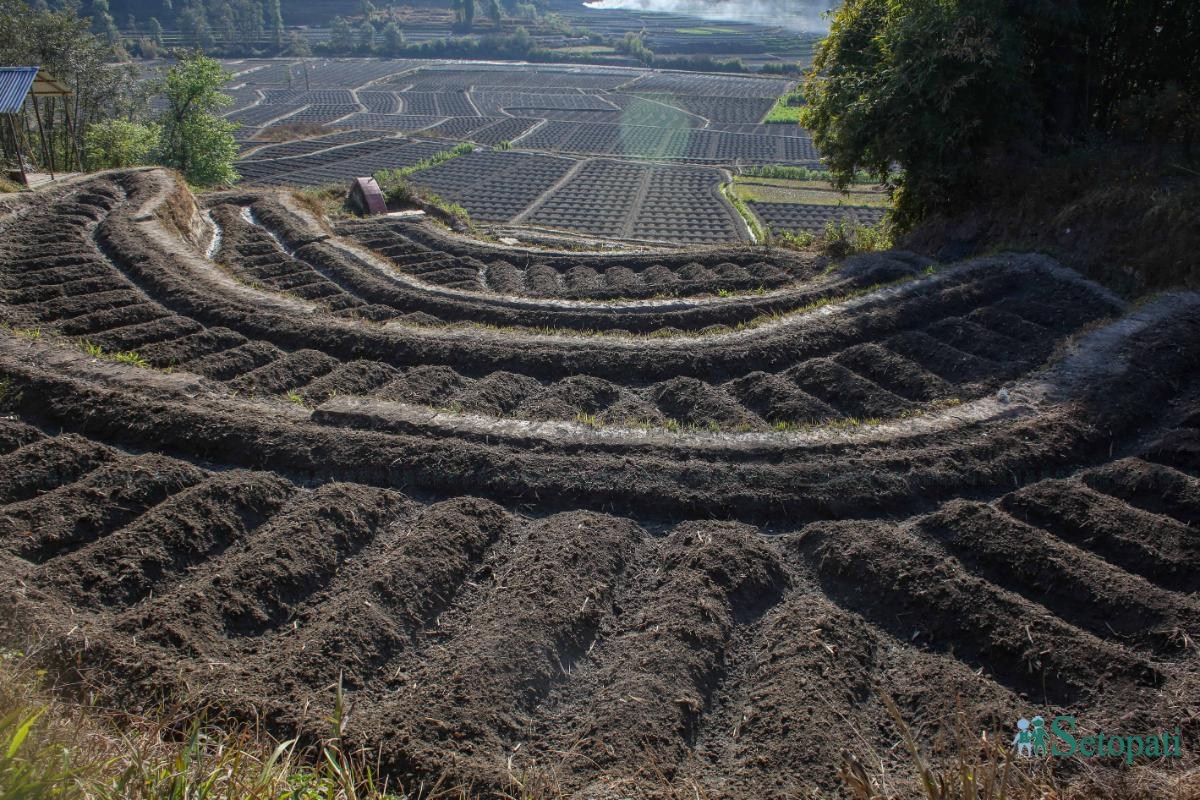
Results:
227 27
393 38
249 18
275 23
193 24
466 13
366 36
156 31
298 45
195 140
103 23
493 11
341 36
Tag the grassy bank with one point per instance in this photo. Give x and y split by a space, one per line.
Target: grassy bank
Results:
55 748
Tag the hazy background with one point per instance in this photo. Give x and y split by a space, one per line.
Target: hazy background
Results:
800 15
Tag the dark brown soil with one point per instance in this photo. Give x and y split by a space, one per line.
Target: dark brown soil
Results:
592 610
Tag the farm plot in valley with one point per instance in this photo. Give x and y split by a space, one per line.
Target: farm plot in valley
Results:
513 497
559 114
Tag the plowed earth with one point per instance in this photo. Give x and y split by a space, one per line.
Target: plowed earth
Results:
538 543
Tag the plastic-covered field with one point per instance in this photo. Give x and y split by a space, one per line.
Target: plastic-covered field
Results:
408 96
533 548
557 120
332 164
622 200
494 186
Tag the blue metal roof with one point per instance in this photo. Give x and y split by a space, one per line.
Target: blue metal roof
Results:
14 85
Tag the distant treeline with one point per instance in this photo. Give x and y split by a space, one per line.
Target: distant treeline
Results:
242 28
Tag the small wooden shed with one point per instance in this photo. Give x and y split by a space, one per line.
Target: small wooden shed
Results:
22 89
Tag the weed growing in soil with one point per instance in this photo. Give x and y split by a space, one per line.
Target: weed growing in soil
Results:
28 333
129 357
293 397
587 419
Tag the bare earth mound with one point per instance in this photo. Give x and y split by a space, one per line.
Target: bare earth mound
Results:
581 518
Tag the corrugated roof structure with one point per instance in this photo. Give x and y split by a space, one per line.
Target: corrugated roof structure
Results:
15 83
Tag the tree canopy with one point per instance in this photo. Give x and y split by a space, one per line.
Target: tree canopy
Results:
923 94
195 140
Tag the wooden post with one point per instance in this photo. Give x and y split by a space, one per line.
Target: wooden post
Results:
42 135
12 128
72 145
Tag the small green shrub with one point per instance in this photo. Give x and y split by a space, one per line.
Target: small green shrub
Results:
842 238
798 240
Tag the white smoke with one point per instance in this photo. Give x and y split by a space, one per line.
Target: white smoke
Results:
798 15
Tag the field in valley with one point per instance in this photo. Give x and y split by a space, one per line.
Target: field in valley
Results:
610 152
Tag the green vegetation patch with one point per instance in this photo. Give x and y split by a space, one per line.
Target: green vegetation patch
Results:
786 109
806 192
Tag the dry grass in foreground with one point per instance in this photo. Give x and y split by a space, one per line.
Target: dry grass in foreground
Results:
52 748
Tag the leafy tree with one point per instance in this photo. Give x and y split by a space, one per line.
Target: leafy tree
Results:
493 11
117 143
63 45
393 38
103 23
248 15
193 23
156 31
341 37
194 139
227 24
927 94
466 13
298 45
366 36
275 21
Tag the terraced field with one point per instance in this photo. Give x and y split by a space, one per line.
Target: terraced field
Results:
795 217
577 520
545 123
